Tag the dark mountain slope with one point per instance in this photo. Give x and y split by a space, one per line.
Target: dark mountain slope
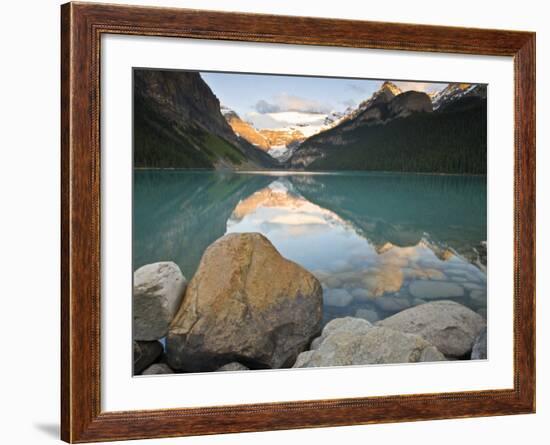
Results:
178 124
403 134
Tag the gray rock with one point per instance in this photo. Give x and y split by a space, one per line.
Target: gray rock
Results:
233 366
347 324
145 353
316 342
429 290
367 314
158 368
337 297
375 345
482 312
479 351
246 302
431 354
449 326
158 291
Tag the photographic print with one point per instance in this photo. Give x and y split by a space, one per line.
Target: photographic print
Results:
285 221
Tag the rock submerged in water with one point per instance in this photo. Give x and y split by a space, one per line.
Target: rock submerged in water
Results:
354 341
429 290
158 290
449 326
392 304
338 297
361 294
367 314
246 303
145 353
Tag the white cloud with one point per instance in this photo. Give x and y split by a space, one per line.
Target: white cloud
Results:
289 102
284 119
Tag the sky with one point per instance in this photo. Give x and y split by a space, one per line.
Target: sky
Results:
271 101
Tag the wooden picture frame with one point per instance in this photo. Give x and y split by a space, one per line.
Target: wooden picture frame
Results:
82 25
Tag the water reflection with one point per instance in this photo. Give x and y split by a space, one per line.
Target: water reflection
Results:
379 243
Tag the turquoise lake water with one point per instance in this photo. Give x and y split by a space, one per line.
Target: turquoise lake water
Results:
378 242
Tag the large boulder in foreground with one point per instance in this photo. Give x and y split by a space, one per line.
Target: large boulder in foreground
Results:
246 304
449 326
158 290
354 341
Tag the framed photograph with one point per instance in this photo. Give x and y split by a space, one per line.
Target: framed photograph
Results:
275 222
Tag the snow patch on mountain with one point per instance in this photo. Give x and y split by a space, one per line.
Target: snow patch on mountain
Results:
452 92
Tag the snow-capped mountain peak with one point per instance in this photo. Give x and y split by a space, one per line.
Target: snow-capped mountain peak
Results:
452 92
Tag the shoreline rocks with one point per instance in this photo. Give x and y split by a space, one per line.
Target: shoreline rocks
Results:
157 294
158 368
479 350
246 303
233 366
353 341
247 307
145 354
449 326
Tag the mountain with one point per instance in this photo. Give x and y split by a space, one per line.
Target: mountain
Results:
455 91
244 130
178 124
398 131
385 93
279 143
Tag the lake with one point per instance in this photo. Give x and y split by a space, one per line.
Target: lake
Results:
378 242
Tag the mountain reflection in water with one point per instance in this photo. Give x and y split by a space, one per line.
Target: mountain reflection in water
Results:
379 243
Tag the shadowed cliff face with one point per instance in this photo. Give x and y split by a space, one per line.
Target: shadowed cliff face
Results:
178 124
182 95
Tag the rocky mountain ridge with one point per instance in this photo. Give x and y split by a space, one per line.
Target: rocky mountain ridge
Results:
178 123
278 143
456 91
386 104
403 131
